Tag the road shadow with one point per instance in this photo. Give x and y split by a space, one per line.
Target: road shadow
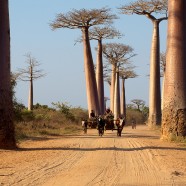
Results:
104 149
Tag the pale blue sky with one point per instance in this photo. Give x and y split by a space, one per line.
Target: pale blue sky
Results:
62 60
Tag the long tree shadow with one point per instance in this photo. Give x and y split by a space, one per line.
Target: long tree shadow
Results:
103 149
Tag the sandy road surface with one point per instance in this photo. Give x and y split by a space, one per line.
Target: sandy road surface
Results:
138 158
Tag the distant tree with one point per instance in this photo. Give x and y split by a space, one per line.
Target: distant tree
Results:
30 73
149 8
100 34
174 106
130 106
84 19
125 73
116 54
7 132
139 103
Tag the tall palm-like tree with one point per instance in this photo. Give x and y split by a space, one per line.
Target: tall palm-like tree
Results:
149 8
174 107
116 54
30 74
7 138
117 111
125 73
100 34
84 19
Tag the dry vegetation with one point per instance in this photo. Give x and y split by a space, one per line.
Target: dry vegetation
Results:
59 120
48 121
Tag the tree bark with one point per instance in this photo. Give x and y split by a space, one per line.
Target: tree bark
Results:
154 88
99 77
7 139
91 88
117 97
30 97
174 111
123 100
112 87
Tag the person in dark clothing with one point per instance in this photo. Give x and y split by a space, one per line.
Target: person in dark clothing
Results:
92 114
101 126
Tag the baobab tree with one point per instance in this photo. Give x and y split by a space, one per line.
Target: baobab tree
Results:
139 103
149 8
174 107
100 34
84 19
7 132
116 54
30 73
125 73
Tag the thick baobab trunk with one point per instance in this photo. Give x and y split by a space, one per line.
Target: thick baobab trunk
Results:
154 90
174 111
7 139
99 77
91 88
112 87
123 100
30 97
117 97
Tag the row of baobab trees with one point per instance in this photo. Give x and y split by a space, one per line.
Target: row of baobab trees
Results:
174 102
84 20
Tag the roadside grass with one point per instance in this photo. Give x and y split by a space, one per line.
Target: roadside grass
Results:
27 131
48 122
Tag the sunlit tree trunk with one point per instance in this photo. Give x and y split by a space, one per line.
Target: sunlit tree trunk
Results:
30 97
7 139
99 77
117 96
112 87
174 111
154 90
91 88
123 100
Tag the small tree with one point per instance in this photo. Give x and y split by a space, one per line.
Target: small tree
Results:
30 73
84 19
150 8
139 103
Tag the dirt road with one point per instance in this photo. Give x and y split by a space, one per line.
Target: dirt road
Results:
138 158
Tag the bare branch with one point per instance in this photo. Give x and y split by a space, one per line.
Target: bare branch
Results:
83 18
148 8
117 53
30 72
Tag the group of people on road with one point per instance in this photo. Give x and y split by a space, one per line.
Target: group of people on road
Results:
101 122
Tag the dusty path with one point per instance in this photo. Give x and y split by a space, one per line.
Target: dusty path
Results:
138 158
